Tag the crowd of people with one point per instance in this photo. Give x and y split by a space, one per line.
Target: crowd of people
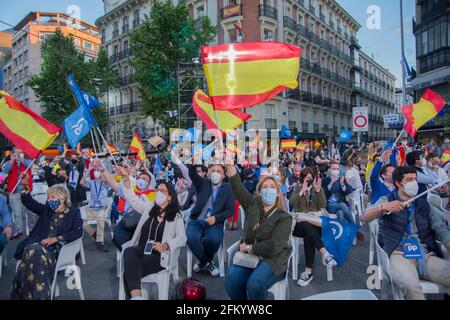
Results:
160 204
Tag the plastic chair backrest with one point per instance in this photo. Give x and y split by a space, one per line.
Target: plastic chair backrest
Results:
68 253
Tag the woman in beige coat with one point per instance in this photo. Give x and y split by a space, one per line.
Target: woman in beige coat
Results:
160 231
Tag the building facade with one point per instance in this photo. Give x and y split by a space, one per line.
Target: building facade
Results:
334 74
26 50
5 50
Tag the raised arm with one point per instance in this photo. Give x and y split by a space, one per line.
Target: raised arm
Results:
134 201
241 193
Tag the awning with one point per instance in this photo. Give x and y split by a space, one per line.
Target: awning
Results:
311 136
431 78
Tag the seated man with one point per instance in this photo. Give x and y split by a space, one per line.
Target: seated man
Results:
6 222
411 224
215 203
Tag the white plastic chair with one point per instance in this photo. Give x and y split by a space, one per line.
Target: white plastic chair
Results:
67 262
427 286
280 290
3 262
439 203
95 220
220 255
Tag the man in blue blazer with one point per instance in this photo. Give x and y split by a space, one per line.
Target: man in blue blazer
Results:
214 205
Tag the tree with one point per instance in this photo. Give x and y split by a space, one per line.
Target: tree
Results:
167 37
60 59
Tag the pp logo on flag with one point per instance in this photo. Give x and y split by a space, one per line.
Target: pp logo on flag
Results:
78 127
338 230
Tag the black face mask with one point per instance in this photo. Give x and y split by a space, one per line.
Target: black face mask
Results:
61 179
74 161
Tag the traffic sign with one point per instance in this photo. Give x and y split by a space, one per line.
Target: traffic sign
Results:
390 119
360 119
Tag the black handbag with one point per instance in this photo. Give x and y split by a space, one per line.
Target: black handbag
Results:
131 220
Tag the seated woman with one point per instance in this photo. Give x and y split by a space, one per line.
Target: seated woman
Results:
160 230
310 198
58 223
266 234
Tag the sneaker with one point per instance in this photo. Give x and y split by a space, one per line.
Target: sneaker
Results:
330 261
198 267
17 235
305 279
137 298
101 247
213 270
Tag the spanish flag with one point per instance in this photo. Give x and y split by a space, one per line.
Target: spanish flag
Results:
24 128
148 194
203 108
112 148
316 143
288 144
242 75
136 146
418 114
301 146
445 156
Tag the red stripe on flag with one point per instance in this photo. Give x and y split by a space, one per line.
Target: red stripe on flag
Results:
18 106
244 101
409 125
18 141
248 51
437 101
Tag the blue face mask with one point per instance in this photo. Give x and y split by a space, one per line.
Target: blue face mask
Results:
54 204
269 196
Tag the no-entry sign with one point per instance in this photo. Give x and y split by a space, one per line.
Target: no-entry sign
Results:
360 119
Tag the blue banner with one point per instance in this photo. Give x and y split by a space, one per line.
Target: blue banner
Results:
76 127
337 237
285 133
158 167
345 136
86 103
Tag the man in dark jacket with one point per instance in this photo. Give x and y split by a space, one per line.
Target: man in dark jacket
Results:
214 204
406 234
74 168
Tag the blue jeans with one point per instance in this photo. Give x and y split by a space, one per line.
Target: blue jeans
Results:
251 284
3 240
342 211
204 240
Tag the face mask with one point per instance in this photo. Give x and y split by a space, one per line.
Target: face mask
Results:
335 173
216 178
446 141
310 182
424 163
411 188
54 204
297 175
74 161
269 196
160 198
22 156
97 174
141 184
61 179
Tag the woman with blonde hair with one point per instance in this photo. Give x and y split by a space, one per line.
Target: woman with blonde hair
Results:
265 238
58 223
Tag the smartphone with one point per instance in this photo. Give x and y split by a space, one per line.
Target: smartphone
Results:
149 247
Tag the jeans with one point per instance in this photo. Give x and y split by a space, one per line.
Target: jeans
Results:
342 211
120 236
312 240
3 240
204 240
251 284
18 211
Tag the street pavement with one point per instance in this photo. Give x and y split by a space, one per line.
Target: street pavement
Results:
99 281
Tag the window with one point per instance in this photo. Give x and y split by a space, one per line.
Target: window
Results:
271 121
268 35
125 45
88 45
424 44
200 11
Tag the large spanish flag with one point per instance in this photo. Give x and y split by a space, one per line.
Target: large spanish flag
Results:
418 114
226 120
137 146
288 144
24 128
242 75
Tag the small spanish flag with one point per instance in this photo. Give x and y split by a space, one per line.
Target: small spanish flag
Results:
316 144
418 114
242 75
301 146
445 156
226 120
288 144
112 149
136 146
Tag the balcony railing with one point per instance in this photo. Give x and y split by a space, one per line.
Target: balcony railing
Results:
316 99
312 9
306 96
332 24
289 23
324 44
231 11
325 73
354 42
121 55
268 11
301 30
326 102
322 17
116 33
315 67
126 80
125 28
304 64
314 37
293 94
333 77
301 2
339 30
136 23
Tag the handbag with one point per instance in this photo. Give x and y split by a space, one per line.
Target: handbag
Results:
246 260
131 220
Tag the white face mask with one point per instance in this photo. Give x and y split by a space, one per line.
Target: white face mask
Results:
335 173
160 198
216 178
411 188
97 174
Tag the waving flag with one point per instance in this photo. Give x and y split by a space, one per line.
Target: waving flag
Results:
285 132
301 146
76 127
24 128
445 156
155 141
112 148
345 136
240 34
242 75
418 114
406 68
337 237
158 166
136 146
85 101
203 108
288 144
316 143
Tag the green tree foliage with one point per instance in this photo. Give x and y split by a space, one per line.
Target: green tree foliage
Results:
59 59
165 38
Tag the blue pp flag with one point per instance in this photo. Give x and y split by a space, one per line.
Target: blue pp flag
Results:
158 166
345 136
76 127
337 237
207 152
85 101
285 132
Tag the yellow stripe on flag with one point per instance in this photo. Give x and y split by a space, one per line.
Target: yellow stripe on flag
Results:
423 111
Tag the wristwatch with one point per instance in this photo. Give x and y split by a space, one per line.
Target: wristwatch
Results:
60 238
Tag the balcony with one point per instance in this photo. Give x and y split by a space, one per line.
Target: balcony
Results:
326 102
293 94
346 36
289 23
304 64
366 73
127 108
115 33
301 2
332 24
315 68
267 11
126 80
354 42
136 23
324 44
325 73
125 28
120 55
339 30
334 50
322 17
305 96
312 9
333 77
301 30
316 99
314 37
231 11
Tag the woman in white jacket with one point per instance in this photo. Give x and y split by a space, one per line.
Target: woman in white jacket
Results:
160 231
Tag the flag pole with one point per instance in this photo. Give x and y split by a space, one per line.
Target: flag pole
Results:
106 144
93 143
21 175
398 138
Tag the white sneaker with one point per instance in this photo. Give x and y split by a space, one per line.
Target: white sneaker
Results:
305 279
137 298
329 260
197 268
213 270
